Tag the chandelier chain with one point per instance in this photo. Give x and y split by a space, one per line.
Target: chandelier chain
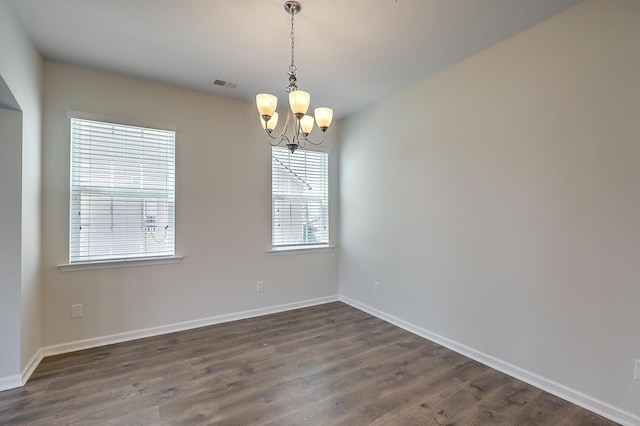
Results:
292 67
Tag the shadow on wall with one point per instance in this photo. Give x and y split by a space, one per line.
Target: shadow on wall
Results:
7 101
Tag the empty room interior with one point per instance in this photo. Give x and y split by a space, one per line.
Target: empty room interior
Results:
455 242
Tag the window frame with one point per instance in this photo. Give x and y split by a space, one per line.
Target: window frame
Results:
304 247
130 258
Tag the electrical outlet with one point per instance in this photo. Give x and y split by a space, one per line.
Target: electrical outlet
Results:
260 286
376 287
76 311
637 373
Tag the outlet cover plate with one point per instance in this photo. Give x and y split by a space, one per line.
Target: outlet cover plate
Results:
376 287
260 286
637 373
76 311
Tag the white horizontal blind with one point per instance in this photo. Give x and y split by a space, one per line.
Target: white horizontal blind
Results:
300 197
122 192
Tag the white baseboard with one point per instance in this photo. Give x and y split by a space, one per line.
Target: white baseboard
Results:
10 382
607 410
171 328
28 369
592 404
17 381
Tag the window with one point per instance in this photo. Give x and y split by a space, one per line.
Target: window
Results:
122 192
299 198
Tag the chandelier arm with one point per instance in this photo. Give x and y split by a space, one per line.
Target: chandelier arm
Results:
271 138
276 140
324 135
296 128
283 133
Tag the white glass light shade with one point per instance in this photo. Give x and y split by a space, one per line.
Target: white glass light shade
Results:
266 104
324 117
306 123
271 124
299 101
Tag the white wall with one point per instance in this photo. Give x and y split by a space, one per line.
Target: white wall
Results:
498 204
10 170
21 69
223 217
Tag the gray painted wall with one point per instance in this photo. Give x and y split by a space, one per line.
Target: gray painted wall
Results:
10 172
21 70
223 215
498 205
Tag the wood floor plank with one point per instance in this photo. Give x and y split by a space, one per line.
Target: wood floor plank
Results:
329 364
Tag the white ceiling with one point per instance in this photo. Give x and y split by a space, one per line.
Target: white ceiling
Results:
348 53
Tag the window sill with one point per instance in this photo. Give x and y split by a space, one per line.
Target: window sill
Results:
124 263
299 249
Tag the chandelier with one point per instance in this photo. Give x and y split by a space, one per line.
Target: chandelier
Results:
298 102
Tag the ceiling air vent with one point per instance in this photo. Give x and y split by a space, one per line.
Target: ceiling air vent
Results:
216 82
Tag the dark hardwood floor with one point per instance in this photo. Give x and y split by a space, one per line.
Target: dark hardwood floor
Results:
324 365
